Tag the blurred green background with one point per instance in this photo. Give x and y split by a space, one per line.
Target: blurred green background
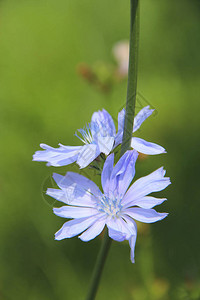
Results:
44 99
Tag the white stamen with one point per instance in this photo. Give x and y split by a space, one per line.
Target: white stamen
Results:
111 206
86 135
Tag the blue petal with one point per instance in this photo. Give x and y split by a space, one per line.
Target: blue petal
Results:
57 194
119 135
110 123
82 183
138 120
93 231
118 139
132 242
116 235
121 228
123 173
62 156
71 212
67 196
105 143
74 227
146 147
116 229
133 235
76 190
87 154
121 119
141 117
103 131
145 202
144 215
107 170
153 182
102 120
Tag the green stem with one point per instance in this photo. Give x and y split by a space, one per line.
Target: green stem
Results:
101 259
128 129
132 76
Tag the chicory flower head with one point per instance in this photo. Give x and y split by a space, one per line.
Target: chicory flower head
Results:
117 207
98 136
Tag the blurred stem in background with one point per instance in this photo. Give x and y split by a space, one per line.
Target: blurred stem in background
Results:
128 129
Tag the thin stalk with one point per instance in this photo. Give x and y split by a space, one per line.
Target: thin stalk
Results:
127 135
101 259
132 76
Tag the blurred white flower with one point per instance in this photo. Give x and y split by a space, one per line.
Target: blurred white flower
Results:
121 54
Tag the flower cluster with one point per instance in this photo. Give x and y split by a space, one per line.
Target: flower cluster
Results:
119 203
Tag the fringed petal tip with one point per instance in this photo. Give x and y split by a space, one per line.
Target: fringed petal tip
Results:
143 114
164 215
145 147
145 215
132 242
57 238
34 157
43 146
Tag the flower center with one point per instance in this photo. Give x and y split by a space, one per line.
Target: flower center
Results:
111 206
86 135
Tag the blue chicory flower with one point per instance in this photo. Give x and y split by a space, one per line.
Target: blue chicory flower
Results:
99 136
117 208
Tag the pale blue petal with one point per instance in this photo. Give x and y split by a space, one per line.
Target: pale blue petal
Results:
110 123
121 228
105 143
123 173
93 230
118 138
133 235
62 156
146 147
57 194
68 197
87 154
103 131
121 119
116 229
119 135
124 229
153 182
116 235
62 181
82 183
130 224
107 170
71 212
141 117
76 190
145 202
144 215
102 120
74 227
132 242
